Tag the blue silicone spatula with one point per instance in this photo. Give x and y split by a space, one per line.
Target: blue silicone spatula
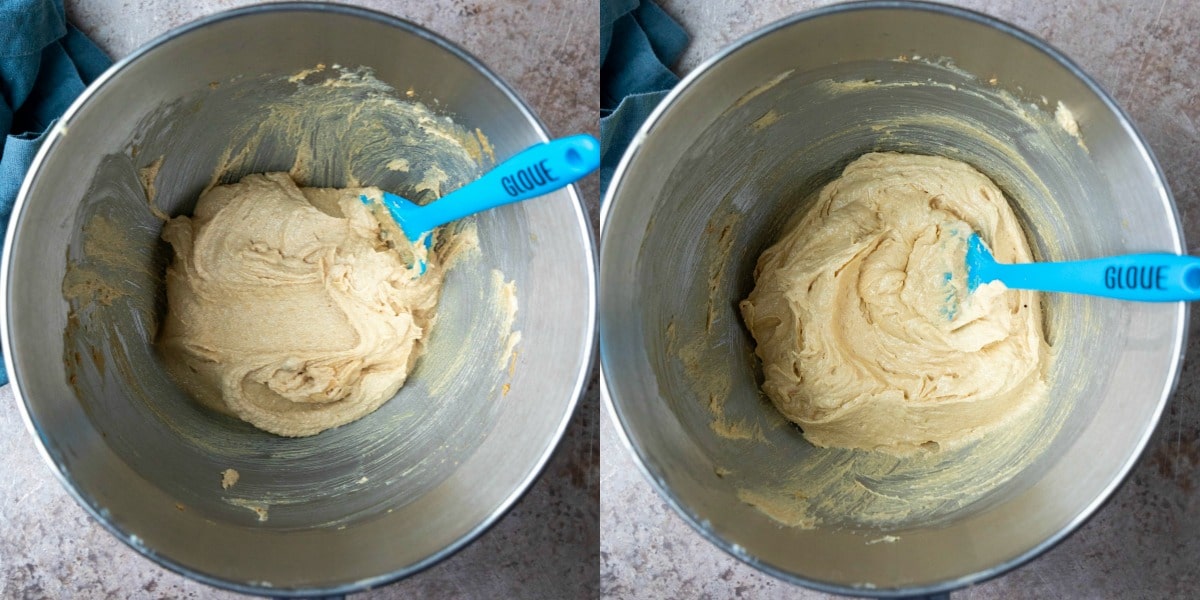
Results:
535 171
1141 277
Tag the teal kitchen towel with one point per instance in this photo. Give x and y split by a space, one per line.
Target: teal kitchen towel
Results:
45 64
638 44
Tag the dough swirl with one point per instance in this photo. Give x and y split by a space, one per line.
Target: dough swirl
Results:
287 308
867 336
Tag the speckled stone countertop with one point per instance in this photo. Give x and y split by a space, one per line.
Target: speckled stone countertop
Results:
1145 543
547 546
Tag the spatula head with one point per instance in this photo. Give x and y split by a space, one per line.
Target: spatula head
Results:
979 263
401 211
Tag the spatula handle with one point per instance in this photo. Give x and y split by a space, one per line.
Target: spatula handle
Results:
1140 277
535 171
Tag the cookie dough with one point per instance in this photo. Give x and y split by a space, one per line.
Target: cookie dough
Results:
287 307
867 335
229 478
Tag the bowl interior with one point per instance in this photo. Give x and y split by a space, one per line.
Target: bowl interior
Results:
737 154
374 499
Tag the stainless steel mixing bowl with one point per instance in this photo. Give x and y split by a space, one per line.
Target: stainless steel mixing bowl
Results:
350 508
734 150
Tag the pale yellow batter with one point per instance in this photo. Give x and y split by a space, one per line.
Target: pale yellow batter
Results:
288 309
867 336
